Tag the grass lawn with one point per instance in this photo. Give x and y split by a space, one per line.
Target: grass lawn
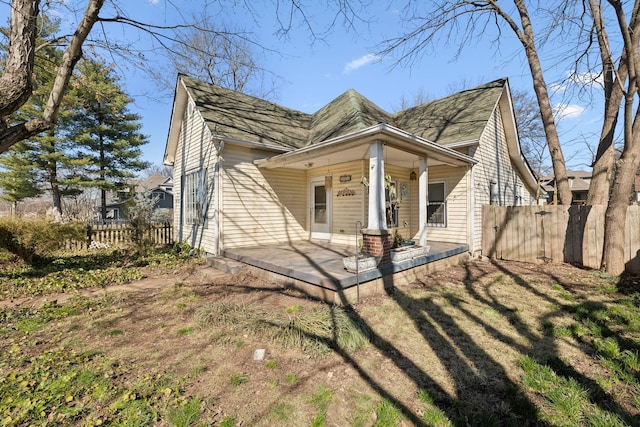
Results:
482 344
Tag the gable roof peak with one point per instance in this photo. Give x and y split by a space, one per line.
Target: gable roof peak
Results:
349 112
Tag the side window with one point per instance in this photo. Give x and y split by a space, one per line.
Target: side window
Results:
195 190
437 207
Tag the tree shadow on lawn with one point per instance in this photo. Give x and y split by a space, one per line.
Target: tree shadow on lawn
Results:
475 333
484 392
544 351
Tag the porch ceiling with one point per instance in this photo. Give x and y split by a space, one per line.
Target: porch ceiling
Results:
401 148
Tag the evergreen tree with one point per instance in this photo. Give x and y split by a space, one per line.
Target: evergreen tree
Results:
44 159
104 130
16 180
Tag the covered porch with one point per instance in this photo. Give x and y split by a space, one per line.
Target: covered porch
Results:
316 268
378 178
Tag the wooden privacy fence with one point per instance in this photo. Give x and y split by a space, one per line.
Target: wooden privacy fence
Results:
573 234
120 235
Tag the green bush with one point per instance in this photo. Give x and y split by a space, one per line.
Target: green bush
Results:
34 239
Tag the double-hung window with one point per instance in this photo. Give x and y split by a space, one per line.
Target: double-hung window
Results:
437 207
158 194
195 189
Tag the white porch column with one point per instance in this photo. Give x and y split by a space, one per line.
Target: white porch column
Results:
423 200
377 217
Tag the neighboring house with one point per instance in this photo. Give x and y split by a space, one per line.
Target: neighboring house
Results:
579 182
157 186
250 172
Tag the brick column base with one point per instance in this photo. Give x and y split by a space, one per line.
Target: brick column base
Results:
377 243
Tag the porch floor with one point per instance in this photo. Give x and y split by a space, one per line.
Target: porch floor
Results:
320 263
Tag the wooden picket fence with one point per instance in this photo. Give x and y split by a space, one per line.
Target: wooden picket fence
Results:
573 234
119 235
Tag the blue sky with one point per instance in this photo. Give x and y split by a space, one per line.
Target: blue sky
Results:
312 74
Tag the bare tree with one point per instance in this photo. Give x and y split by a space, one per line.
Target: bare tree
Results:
418 98
585 23
17 68
219 55
624 87
531 132
16 80
468 20
613 91
154 169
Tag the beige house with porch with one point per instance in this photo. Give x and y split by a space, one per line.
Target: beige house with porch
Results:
248 172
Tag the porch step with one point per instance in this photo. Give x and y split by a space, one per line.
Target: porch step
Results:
225 264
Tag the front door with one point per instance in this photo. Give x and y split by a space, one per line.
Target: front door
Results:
320 210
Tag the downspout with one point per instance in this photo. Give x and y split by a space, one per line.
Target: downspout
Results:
472 208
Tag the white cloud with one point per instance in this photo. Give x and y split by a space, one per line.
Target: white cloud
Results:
360 62
579 79
567 111
557 87
153 2
588 79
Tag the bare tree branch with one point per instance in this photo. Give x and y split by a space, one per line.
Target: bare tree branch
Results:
16 133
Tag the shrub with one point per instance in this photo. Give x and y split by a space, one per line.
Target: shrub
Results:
35 239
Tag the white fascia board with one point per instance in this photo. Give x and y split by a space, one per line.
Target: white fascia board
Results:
389 134
249 144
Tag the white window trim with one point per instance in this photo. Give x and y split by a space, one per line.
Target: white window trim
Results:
445 203
195 183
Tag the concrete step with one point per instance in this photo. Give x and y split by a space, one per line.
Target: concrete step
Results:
225 264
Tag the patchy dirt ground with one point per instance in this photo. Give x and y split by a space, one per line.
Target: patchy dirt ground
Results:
456 336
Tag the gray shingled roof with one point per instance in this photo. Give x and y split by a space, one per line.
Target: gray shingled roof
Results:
459 117
348 113
234 114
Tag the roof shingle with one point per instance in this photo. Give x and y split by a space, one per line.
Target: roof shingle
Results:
458 117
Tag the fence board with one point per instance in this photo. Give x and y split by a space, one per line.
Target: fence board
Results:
119 235
572 234
488 231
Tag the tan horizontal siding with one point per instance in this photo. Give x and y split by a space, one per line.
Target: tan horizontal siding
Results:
195 150
495 165
346 198
253 212
457 204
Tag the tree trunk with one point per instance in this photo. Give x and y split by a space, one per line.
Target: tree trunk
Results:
546 112
626 167
16 81
616 214
601 178
103 191
103 204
